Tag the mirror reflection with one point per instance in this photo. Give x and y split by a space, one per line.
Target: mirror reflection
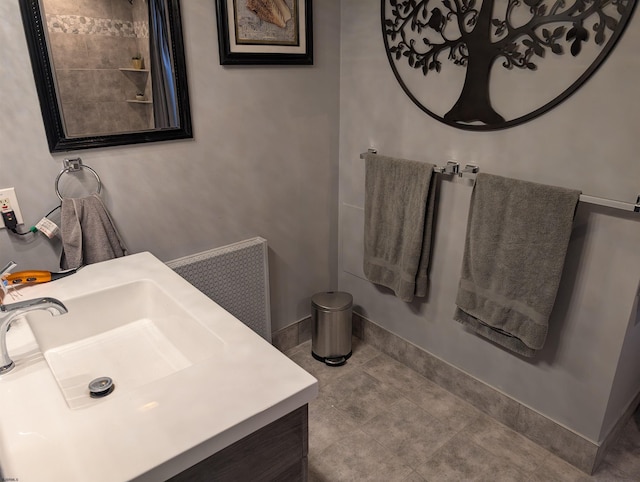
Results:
108 72
112 65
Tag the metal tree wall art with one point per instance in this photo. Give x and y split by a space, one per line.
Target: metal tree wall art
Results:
479 37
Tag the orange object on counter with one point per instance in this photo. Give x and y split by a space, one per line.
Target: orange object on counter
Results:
36 276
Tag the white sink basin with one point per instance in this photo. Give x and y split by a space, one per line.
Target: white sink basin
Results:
190 379
134 333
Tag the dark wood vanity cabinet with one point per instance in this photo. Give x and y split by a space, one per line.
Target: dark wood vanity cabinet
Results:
277 452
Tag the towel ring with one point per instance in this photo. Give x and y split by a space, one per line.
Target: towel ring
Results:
73 165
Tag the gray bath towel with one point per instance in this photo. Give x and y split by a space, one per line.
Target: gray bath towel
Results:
399 212
88 233
517 238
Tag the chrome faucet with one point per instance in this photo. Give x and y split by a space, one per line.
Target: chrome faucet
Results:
10 312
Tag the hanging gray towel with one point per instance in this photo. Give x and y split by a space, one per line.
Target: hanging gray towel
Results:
399 212
517 238
88 233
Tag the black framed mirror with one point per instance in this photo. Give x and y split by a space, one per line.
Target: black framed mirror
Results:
109 77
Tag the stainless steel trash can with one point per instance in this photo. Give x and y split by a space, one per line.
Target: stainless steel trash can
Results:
331 327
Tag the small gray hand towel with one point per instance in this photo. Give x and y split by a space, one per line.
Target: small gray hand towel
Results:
517 238
88 233
399 213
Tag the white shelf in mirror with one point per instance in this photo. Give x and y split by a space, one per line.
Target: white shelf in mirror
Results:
131 69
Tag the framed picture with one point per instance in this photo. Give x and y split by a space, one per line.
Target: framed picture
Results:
277 32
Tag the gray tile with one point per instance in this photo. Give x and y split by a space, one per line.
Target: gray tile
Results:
556 469
108 86
357 458
470 390
357 326
562 442
626 428
121 10
401 350
414 477
444 405
610 473
461 459
505 443
384 341
286 338
327 425
503 472
304 330
481 396
69 51
409 432
75 85
362 352
430 397
292 351
88 8
625 452
375 417
375 335
360 395
424 363
105 52
394 373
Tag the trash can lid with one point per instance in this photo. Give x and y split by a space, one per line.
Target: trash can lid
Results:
332 300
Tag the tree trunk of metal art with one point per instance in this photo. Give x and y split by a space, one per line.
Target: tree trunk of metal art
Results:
474 103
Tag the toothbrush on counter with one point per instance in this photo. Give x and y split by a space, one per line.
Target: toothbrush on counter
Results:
4 285
7 269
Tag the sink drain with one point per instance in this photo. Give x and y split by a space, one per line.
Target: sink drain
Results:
101 387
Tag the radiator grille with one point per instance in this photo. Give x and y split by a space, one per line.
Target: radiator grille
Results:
236 277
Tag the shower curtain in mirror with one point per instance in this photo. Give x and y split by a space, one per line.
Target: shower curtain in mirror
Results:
165 106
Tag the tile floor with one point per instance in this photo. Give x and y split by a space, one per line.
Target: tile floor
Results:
377 420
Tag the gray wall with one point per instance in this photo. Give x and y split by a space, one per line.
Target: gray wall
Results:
590 142
263 161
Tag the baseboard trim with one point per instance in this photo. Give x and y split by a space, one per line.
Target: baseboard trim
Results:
291 336
562 442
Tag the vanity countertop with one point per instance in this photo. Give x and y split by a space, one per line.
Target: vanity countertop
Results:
156 430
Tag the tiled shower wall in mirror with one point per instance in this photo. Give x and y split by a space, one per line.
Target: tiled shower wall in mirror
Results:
92 44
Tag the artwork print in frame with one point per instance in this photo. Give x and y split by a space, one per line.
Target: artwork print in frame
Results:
277 32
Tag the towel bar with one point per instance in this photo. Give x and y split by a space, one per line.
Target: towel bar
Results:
453 167
74 165
611 203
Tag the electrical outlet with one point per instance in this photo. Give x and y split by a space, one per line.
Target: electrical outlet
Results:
8 198
5 205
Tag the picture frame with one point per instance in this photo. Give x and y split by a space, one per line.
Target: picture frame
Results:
262 32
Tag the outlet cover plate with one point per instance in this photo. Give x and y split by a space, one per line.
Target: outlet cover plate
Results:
10 194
